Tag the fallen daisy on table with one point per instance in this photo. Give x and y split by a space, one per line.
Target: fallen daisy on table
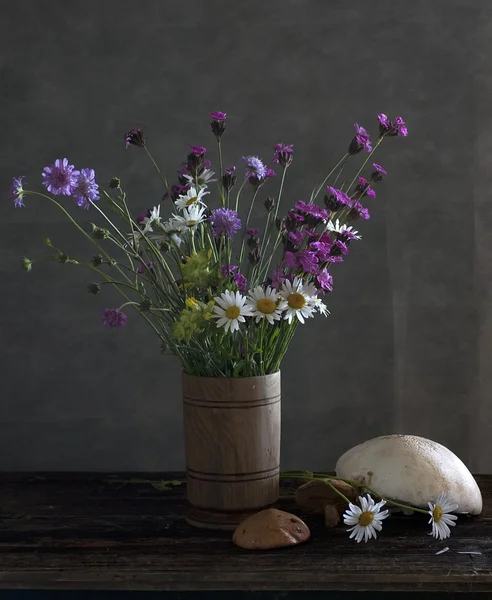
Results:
366 520
440 516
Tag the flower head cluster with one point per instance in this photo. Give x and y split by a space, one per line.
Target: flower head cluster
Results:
256 171
60 178
225 222
361 141
114 317
86 189
283 155
17 191
391 128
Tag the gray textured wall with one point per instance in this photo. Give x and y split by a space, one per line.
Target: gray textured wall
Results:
408 345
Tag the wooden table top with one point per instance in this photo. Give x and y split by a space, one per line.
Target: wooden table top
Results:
79 531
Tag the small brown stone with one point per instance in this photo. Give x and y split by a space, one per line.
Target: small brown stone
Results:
270 528
332 516
314 495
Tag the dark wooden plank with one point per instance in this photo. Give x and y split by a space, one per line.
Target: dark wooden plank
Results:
80 532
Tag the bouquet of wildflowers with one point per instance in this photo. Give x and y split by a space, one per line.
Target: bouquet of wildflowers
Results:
224 297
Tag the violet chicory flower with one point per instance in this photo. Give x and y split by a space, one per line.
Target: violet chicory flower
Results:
283 155
225 221
86 190
60 177
135 137
17 191
114 317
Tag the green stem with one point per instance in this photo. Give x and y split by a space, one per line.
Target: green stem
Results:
364 164
322 184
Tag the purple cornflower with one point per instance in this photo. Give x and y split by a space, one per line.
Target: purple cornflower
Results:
362 189
197 150
370 192
218 115
252 231
293 220
254 167
86 190
308 261
324 281
391 128
225 222
278 277
356 211
338 248
269 173
296 237
135 137
113 317
361 141
229 178
379 168
335 200
17 191
142 216
312 209
177 190
282 155
241 282
60 177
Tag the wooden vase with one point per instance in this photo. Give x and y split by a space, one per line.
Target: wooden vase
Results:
232 440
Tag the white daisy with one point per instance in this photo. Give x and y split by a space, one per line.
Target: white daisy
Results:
206 176
299 299
192 197
191 216
365 521
321 306
265 304
231 308
441 518
153 219
337 228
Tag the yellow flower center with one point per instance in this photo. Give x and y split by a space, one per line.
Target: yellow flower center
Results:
366 519
296 301
207 316
191 201
266 306
437 514
191 302
191 222
233 312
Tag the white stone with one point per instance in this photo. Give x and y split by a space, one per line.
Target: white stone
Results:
413 470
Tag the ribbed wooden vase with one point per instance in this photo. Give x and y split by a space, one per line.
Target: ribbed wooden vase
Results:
232 437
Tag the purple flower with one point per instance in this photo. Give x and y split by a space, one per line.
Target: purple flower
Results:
308 261
360 142
377 174
296 237
86 190
312 209
370 192
207 164
391 128
324 281
143 215
254 167
197 150
269 173
218 115
290 260
230 171
282 155
17 192
252 231
113 317
335 200
356 211
229 178
293 220
60 177
225 272
135 137
225 222
241 282
278 277
322 249
338 248
142 268
379 168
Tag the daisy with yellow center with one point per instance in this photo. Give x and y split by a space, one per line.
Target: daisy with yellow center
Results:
265 304
365 520
231 309
192 196
440 515
191 217
299 299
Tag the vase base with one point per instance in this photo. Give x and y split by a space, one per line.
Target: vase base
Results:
219 521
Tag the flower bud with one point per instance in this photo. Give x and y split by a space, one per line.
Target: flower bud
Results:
26 264
135 137
254 256
270 203
93 288
114 184
97 260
